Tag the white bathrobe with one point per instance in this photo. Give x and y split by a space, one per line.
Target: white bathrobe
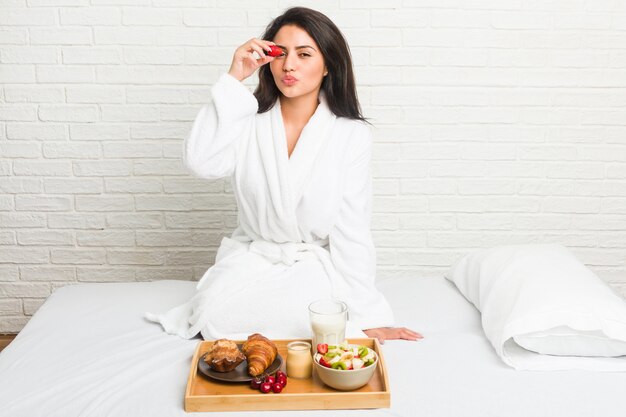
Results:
303 222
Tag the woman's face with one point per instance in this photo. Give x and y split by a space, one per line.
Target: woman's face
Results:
300 70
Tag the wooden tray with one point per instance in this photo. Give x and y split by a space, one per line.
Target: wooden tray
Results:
204 394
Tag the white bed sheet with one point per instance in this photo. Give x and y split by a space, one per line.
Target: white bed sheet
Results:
89 352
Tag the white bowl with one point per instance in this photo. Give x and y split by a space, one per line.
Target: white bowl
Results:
347 380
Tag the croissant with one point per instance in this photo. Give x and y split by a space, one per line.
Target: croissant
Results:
260 353
224 356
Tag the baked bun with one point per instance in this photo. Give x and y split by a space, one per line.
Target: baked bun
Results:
224 356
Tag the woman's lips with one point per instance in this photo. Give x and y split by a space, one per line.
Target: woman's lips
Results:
289 80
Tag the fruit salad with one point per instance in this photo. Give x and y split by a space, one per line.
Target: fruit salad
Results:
344 356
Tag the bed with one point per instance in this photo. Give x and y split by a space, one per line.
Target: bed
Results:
88 351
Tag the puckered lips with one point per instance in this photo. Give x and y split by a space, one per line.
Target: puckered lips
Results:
289 80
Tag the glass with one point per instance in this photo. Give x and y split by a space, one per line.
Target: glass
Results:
299 361
328 321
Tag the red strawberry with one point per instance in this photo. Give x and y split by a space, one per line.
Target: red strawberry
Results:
275 51
323 362
322 348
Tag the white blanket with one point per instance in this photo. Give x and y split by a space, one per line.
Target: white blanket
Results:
533 289
88 352
304 221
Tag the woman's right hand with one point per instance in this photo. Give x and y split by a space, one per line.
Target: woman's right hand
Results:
244 63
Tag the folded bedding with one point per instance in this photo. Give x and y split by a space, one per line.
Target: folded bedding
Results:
542 309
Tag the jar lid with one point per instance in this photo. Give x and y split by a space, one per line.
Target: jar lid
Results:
299 345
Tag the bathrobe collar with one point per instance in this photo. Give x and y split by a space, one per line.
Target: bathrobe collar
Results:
296 170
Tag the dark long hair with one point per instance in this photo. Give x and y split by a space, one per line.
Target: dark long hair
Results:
338 85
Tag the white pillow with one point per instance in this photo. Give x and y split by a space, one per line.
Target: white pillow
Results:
565 341
542 309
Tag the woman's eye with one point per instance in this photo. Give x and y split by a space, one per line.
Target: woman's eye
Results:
301 55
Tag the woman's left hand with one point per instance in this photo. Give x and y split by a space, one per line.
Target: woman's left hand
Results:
392 333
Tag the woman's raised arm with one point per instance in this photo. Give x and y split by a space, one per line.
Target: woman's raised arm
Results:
210 149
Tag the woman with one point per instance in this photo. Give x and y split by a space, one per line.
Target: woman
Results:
297 153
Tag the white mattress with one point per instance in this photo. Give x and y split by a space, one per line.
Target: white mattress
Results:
89 352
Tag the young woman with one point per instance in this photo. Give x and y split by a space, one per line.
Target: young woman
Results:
297 153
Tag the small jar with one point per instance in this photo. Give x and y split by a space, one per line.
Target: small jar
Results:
299 361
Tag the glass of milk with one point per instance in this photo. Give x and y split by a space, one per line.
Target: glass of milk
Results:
328 322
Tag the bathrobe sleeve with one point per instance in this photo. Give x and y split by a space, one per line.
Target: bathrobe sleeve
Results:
350 241
209 150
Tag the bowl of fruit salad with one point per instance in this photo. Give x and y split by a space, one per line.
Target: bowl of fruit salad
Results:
345 367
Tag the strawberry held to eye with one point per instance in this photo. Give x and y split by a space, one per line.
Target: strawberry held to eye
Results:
274 51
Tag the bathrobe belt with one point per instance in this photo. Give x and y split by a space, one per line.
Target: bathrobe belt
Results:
288 253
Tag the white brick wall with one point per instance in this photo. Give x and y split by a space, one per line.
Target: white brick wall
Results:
496 122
